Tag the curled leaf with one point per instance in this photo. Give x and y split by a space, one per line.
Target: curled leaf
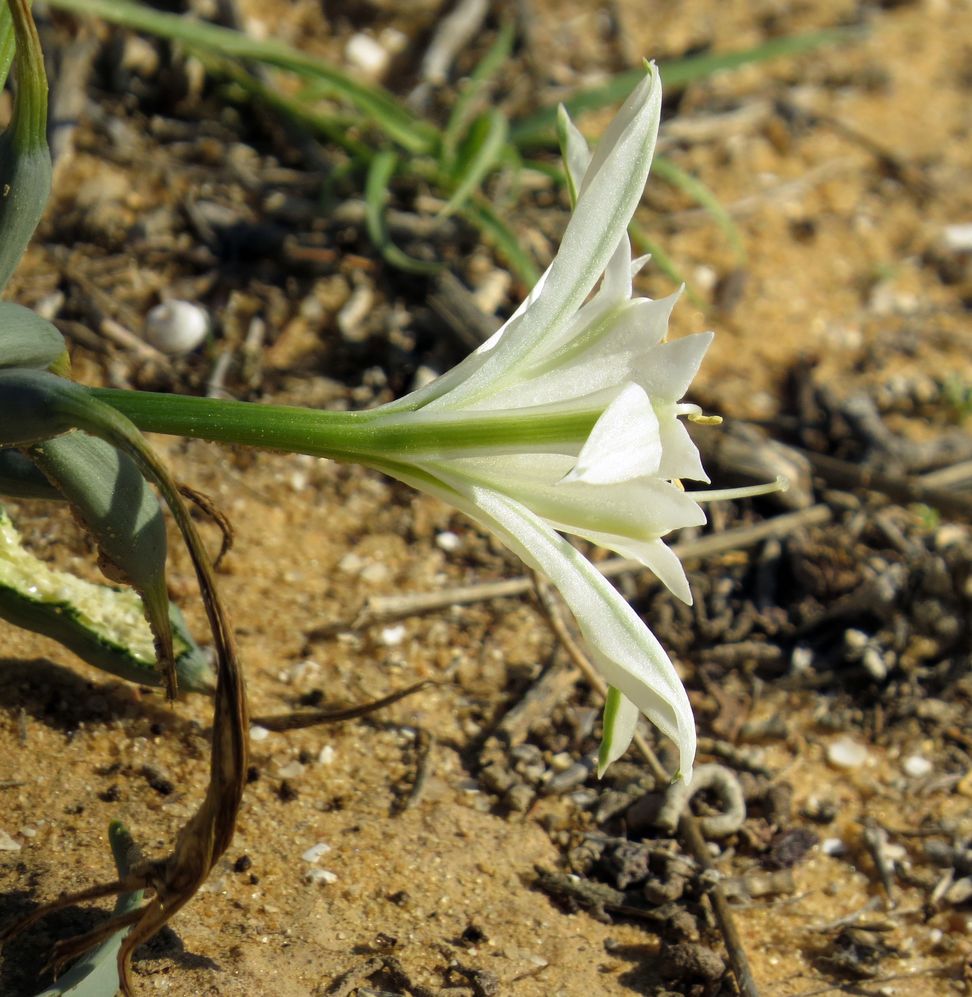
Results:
120 511
26 339
102 625
43 404
19 478
25 161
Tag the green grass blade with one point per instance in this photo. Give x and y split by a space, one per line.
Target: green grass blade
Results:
539 128
479 213
377 104
487 142
330 127
380 172
665 169
464 109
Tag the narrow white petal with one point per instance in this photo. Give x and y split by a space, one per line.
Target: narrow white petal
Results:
436 393
680 456
640 509
574 152
610 194
624 649
670 367
630 330
655 555
646 94
620 723
600 349
616 283
625 442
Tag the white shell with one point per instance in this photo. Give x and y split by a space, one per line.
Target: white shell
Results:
367 54
845 753
176 326
917 766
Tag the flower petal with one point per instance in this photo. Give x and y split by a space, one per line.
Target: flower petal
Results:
612 188
616 283
625 442
680 456
640 509
573 151
624 649
655 555
602 347
670 367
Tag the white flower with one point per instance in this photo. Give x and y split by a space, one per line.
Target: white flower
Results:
567 421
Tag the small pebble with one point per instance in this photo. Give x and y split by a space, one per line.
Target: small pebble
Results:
917 766
392 636
176 326
326 755
316 851
321 876
351 319
7 844
491 291
960 891
833 846
351 563
801 660
448 541
50 305
300 671
375 573
258 733
846 754
292 770
423 375
366 54
958 238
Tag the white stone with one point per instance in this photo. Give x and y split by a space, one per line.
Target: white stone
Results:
448 541
316 851
375 573
917 766
392 636
321 876
7 844
845 753
367 54
351 563
176 326
958 238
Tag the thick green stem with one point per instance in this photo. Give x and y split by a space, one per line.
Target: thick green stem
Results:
350 436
